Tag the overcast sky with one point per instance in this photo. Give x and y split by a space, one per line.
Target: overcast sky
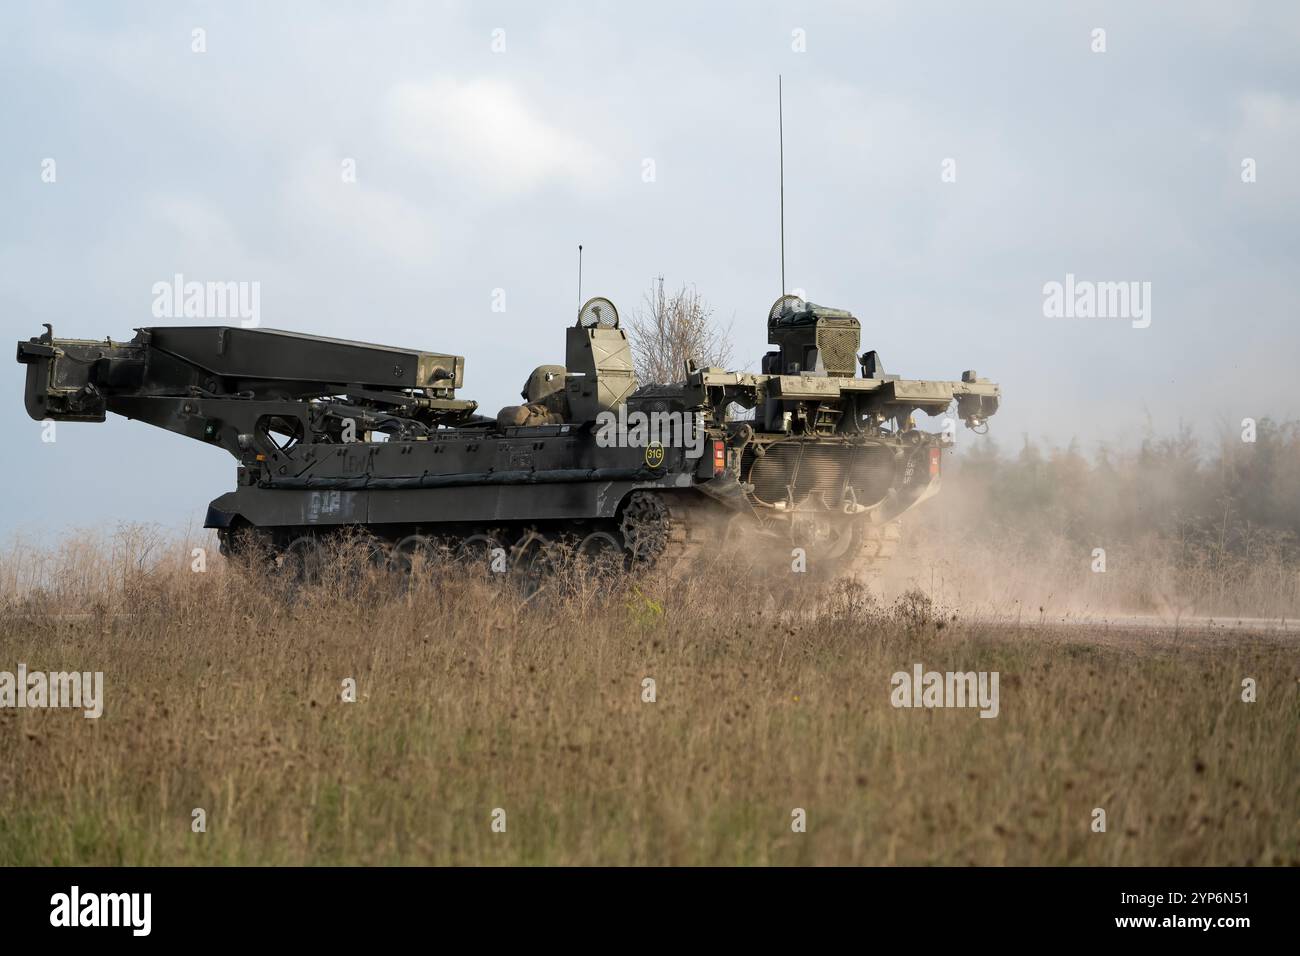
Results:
481 169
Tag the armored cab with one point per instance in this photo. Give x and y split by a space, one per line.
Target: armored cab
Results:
820 450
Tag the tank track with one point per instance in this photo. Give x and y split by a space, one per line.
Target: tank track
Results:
878 544
677 531
670 530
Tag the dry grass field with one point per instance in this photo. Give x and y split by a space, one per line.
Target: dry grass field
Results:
225 694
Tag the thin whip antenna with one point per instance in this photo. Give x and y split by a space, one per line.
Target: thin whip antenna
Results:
780 126
580 275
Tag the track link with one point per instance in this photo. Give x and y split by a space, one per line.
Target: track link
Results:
878 544
670 529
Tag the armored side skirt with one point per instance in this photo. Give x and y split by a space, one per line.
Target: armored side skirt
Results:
476 504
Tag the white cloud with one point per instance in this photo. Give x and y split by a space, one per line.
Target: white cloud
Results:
1268 131
194 223
483 130
358 215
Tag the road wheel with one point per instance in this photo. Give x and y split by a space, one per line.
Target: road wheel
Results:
533 559
600 554
482 553
303 560
415 551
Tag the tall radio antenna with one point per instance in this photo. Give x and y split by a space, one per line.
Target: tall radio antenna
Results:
579 275
780 126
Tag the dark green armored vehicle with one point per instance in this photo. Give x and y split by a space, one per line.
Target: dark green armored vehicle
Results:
819 452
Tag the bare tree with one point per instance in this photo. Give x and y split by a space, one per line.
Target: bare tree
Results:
668 329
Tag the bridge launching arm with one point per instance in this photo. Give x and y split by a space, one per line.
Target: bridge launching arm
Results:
246 390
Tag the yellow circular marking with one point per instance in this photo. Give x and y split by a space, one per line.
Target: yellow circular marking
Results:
654 454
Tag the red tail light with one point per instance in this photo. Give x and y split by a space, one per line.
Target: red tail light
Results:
719 458
935 455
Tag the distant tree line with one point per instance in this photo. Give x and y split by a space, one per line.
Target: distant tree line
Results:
1234 496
